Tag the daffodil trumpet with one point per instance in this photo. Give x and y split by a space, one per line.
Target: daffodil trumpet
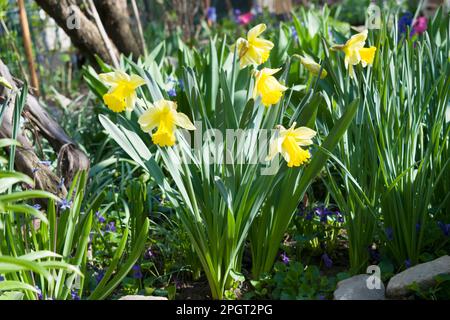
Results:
268 87
290 143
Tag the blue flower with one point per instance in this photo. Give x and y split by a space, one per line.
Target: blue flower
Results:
1 278
407 263
99 276
111 227
418 227
212 14
137 272
404 22
258 9
37 206
294 33
284 258
181 84
65 205
389 233
327 261
172 92
45 163
100 218
39 293
321 213
74 295
445 228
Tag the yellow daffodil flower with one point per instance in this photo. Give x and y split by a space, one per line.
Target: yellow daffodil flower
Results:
268 87
122 92
253 50
289 143
356 53
312 66
164 116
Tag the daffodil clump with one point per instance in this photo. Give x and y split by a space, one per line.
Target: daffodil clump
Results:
255 51
161 115
355 52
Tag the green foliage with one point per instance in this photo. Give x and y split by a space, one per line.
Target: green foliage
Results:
294 281
439 291
391 161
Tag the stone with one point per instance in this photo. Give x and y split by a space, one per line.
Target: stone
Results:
356 288
138 297
423 274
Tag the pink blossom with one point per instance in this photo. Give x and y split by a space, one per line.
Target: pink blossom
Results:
245 18
420 25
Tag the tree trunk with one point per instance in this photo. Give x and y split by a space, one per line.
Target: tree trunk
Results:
27 43
70 158
116 19
81 30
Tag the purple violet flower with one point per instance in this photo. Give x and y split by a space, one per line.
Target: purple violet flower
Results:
418 227
99 276
212 14
111 227
404 22
137 272
74 295
100 218
284 258
172 92
407 263
294 33
327 261
39 293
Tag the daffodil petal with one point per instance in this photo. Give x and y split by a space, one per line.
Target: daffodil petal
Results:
254 32
136 81
303 136
183 121
148 120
